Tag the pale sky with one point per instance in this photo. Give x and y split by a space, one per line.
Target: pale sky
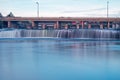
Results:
60 8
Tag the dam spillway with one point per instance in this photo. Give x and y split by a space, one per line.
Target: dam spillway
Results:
64 33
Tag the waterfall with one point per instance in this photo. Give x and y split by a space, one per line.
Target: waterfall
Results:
75 33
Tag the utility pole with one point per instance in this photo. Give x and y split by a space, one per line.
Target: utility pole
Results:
37 9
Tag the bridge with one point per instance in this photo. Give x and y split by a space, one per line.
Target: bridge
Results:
59 22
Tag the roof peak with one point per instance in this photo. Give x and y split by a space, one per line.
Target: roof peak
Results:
1 15
10 15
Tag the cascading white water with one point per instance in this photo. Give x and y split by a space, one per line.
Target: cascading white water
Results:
10 34
75 33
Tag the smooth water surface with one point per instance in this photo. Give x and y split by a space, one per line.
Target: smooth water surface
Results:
59 60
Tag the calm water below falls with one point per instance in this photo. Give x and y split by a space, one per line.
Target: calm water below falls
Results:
59 60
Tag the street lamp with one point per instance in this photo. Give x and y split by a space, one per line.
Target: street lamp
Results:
108 25
107 9
37 9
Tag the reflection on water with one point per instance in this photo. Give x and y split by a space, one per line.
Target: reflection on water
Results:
59 60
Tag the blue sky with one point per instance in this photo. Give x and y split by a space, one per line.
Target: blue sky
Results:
60 8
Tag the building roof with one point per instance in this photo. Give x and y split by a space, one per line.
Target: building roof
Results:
1 15
10 15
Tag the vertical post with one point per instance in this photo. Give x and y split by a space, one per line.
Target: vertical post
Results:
9 24
78 26
89 26
82 24
66 26
43 26
108 25
37 9
113 26
33 24
57 25
101 26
